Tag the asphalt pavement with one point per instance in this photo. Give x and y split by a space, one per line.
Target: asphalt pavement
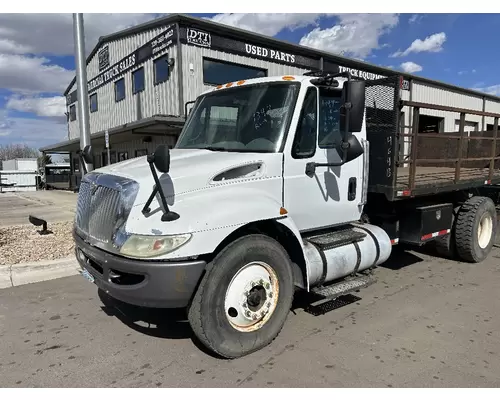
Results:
52 205
427 322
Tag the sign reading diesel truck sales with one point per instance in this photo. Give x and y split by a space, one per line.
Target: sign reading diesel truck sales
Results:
148 50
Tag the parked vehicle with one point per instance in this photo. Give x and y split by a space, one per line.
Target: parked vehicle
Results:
275 185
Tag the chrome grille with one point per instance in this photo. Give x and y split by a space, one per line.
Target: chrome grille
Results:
102 207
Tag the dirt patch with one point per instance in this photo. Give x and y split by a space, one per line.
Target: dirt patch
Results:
22 244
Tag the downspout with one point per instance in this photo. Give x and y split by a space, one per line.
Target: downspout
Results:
180 75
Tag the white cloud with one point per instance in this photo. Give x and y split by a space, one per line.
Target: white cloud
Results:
32 74
473 71
415 19
411 67
493 89
432 44
34 132
53 33
53 107
267 24
355 35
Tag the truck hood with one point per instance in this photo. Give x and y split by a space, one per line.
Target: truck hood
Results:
193 170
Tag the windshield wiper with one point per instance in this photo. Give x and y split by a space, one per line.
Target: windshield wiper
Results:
215 148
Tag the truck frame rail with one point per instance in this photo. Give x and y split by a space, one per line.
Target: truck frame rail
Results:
423 163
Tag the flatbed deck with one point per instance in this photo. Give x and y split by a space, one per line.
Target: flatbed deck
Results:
438 177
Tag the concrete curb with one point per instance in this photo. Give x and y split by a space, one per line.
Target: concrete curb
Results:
23 274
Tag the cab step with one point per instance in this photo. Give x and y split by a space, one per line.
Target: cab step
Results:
335 238
345 287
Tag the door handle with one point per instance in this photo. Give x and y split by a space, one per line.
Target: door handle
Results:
351 192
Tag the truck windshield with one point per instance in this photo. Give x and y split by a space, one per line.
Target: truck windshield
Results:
251 118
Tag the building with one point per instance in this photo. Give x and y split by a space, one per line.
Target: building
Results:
19 175
20 164
141 80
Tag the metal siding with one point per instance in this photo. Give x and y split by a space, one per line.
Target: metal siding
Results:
491 106
133 145
193 80
25 181
120 48
430 94
155 99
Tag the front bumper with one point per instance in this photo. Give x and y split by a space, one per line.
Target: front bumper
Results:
143 283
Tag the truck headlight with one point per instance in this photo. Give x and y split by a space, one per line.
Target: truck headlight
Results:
144 246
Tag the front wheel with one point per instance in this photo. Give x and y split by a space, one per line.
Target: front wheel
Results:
244 298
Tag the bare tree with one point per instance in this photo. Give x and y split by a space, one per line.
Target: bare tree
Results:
11 151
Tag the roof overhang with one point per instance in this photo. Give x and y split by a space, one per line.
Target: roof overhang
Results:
158 125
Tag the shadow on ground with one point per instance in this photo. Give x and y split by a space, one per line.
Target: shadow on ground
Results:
156 322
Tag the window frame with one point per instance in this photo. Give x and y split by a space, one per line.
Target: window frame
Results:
96 103
228 63
136 152
334 145
104 156
134 90
72 107
299 122
117 100
155 76
120 153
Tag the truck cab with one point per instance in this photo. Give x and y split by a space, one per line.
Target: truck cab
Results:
261 196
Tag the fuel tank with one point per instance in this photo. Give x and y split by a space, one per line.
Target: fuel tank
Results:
339 253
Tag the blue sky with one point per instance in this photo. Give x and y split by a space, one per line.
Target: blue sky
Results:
35 69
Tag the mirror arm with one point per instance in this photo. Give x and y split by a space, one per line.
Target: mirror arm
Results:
167 215
311 166
82 161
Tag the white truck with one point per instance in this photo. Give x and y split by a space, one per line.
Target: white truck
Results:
275 185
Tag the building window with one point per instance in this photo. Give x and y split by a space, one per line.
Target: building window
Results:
72 113
119 90
105 157
161 69
142 152
93 102
304 144
430 124
218 72
138 80
122 156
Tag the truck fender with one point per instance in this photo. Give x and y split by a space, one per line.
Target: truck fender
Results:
304 268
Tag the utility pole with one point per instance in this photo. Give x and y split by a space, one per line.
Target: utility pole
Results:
81 88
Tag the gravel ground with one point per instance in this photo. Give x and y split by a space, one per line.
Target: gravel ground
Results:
23 243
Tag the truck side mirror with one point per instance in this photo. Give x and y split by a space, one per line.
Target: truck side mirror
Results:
353 108
161 158
87 154
354 150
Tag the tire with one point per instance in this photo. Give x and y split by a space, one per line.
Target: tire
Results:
445 246
476 229
221 295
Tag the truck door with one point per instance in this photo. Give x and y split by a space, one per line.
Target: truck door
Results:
332 195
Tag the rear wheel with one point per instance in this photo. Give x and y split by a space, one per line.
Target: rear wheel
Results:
475 229
244 298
